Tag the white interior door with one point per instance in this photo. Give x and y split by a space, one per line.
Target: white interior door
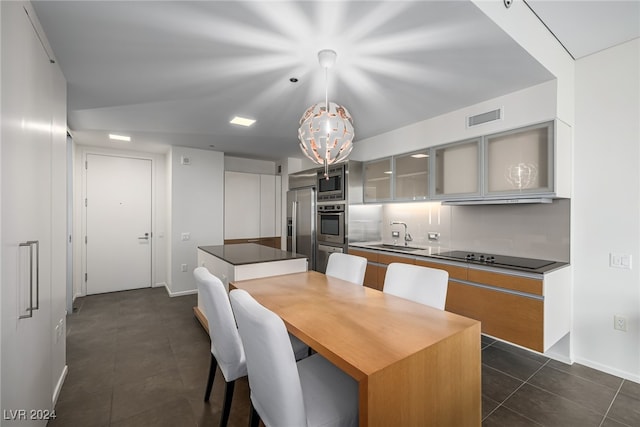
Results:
118 218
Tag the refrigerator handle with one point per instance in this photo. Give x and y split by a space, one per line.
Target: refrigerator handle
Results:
294 220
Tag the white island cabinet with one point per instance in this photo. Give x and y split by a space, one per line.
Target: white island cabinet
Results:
246 261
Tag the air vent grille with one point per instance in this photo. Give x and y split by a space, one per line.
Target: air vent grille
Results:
489 116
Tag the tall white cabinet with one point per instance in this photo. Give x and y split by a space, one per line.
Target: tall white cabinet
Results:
252 206
33 219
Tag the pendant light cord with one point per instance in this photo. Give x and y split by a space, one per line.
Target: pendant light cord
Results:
326 107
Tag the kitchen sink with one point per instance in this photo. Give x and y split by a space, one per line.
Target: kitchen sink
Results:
395 247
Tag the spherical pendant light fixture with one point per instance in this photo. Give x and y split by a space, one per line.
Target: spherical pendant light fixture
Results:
326 128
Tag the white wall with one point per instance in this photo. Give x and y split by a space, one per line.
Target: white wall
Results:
528 106
197 207
607 209
526 29
239 164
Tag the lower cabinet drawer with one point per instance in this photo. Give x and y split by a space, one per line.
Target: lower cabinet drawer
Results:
455 272
515 318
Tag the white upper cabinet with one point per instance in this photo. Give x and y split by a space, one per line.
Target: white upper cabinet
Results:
520 162
267 205
251 205
532 162
377 180
411 176
456 170
528 162
241 205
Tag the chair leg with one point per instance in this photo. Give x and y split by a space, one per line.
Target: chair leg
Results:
254 418
226 404
212 374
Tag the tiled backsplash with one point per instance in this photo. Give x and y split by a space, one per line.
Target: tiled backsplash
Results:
532 230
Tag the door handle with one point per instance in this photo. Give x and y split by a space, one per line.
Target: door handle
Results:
145 237
30 244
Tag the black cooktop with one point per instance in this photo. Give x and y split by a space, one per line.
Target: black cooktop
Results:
500 260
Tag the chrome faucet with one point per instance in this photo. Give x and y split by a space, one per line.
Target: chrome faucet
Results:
407 236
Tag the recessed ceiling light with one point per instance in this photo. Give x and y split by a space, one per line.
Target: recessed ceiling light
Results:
116 137
419 156
242 121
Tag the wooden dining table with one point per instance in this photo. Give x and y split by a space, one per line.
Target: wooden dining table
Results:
415 365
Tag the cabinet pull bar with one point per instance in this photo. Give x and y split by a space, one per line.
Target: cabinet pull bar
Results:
30 308
37 245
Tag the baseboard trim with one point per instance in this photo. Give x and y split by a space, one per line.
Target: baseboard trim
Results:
58 389
609 370
159 285
180 293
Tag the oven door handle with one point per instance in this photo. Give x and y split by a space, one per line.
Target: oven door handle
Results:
330 249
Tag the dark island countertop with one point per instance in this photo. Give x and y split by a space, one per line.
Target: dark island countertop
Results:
249 253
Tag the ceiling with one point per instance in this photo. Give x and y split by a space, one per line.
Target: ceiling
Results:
175 72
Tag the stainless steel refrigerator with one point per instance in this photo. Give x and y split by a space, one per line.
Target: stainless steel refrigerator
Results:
301 223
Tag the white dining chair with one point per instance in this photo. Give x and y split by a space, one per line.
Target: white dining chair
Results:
347 267
311 392
226 346
417 283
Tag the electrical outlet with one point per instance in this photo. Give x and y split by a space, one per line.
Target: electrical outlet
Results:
620 323
185 236
183 268
395 234
434 236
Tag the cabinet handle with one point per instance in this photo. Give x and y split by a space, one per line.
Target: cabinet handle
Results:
30 244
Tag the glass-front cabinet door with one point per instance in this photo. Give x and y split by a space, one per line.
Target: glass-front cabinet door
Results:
411 173
520 161
377 180
457 170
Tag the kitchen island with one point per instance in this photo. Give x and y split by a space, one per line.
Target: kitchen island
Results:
246 261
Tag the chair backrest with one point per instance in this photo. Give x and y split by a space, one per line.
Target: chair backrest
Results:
226 344
421 284
276 391
347 267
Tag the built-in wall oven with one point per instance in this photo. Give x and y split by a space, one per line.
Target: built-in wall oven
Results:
330 224
330 232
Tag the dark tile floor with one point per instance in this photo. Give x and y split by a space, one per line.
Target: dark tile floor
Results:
139 358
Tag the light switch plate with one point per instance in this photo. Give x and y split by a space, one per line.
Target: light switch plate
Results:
620 261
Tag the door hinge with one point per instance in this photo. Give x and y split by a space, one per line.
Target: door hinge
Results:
85 240
85 276
85 202
86 164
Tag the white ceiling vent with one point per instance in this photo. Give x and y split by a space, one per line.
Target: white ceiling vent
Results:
489 116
